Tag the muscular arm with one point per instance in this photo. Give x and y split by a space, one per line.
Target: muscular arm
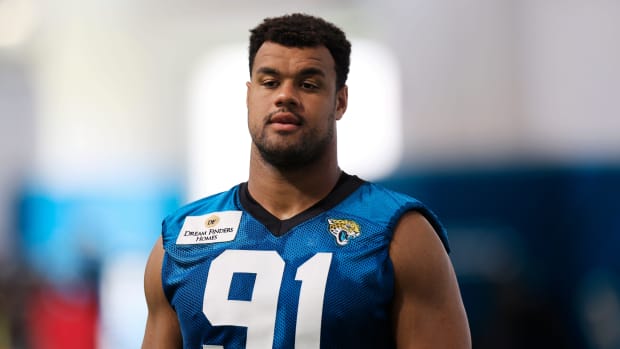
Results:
428 311
162 327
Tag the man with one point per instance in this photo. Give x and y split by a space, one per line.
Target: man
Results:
302 255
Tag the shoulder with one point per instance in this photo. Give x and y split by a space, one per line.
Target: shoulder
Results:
224 201
403 210
216 202
415 237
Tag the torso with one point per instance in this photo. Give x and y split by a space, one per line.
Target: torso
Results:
320 279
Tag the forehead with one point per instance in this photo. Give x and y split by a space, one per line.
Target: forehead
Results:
292 59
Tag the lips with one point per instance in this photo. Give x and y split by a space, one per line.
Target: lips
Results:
284 122
285 118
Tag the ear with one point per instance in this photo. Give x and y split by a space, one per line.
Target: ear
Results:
248 84
342 100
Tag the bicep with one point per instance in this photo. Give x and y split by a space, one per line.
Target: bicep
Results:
162 326
428 311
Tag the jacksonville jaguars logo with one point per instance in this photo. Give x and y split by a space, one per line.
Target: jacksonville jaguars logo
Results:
344 230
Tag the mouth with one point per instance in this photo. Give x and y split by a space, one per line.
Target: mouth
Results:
283 117
285 121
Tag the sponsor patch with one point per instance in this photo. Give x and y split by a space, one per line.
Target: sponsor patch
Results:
209 228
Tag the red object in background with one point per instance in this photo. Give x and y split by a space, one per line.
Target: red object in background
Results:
62 319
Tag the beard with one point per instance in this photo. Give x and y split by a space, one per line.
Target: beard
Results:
309 146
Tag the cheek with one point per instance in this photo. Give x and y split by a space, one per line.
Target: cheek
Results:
256 103
255 116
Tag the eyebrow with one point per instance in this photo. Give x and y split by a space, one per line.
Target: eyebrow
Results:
267 71
303 72
311 72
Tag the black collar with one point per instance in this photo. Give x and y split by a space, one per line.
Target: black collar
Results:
346 185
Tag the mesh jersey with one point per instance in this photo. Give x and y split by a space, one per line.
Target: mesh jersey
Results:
240 278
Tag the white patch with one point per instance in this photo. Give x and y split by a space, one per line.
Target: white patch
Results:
209 228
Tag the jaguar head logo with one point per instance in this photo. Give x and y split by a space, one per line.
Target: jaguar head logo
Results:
343 230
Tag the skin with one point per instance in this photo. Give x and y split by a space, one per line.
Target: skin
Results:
293 103
162 327
279 82
428 311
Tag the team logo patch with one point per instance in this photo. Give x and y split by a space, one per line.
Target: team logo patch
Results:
343 230
210 228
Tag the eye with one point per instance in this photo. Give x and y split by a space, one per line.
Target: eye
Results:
270 83
309 85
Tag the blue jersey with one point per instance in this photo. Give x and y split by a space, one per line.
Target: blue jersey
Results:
238 277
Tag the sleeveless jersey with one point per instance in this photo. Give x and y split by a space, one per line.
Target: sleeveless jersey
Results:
238 277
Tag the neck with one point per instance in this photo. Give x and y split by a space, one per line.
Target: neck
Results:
286 193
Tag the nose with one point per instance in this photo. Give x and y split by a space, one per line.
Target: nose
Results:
287 95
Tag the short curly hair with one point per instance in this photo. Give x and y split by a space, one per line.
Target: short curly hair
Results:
302 30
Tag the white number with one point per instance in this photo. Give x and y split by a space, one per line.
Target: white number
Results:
259 313
313 277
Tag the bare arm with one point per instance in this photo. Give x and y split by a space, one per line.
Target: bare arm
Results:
428 310
162 326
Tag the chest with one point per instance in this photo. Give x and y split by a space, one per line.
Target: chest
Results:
306 287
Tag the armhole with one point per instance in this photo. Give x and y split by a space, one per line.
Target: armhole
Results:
430 216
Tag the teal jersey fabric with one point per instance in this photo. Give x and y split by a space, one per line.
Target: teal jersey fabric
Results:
238 277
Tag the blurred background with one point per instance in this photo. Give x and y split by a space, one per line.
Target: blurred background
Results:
502 115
